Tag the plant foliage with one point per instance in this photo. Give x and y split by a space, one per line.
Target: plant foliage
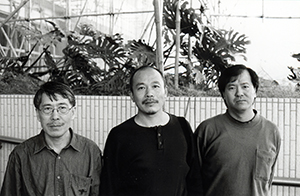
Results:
96 63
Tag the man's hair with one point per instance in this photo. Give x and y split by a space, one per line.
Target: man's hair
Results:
234 71
51 89
143 68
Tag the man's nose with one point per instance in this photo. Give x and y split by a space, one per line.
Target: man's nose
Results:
54 114
239 91
149 92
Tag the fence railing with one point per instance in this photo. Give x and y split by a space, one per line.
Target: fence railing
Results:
96 115
278 181
10 140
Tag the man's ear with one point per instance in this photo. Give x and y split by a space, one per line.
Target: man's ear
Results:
254 97
166 92
131 96
73 112
38 115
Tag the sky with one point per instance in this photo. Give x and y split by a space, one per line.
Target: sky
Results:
273 40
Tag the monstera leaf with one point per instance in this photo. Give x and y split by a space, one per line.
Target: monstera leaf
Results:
34 35
233 42
12 64
189 19
297 56
80 62
141 53
111 50
295 76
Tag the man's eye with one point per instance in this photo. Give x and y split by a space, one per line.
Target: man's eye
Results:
62 108
47 109
156 86
140 88
231 88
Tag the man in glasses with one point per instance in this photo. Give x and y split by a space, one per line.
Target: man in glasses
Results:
57 161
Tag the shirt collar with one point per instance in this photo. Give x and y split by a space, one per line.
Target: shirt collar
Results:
41 142
75 143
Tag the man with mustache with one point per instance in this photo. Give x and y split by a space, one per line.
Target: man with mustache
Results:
57 161
153 152
238 149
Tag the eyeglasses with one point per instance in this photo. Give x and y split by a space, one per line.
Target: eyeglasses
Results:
47 110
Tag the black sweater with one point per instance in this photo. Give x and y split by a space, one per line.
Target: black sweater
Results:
148 161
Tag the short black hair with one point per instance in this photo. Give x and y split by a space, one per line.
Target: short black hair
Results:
234 71
51 89
142 68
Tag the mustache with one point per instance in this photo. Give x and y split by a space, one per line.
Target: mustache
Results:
54 124
146 101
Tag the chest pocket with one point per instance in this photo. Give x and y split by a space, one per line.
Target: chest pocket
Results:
80 185
263 164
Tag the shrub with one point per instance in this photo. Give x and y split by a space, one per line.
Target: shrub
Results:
20 84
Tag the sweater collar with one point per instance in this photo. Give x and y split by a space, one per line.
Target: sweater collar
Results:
253 120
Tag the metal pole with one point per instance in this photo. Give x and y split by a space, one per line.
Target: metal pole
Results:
68 13
177 42
158 21
14 12
77 16
9 42
80 14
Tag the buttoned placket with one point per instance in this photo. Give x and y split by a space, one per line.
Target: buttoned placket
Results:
160 144
59 187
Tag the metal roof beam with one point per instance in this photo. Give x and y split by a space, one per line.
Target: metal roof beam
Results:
14 12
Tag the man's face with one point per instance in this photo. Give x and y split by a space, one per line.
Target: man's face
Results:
240 94
54 124
148 91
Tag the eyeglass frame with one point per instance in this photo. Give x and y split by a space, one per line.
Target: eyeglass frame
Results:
57 109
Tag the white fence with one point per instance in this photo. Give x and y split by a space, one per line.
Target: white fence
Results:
96 115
